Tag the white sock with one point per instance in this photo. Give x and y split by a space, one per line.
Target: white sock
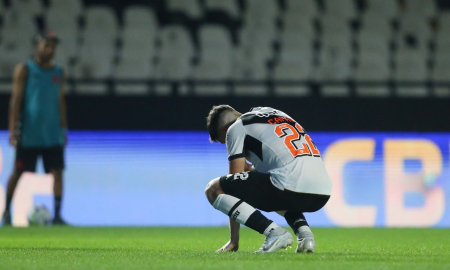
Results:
304 231
233 207
271 227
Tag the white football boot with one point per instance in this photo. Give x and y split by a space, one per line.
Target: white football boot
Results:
305 245
277 239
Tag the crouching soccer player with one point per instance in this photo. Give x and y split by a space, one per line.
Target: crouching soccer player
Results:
288 177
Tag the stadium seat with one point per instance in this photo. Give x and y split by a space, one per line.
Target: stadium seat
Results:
62 17
440 73
247 66
373 39
27 7
298 26
138 49
2 8
215 61
66 27
261 9
139 33
442 38
229 7
414 33
16 45
372 68
344 9
335 29
294 65
24 24
14 49
95 62
260 16
141 17
426 9
410 67
70 8
369 43
97 50
135 69
101 19
372 23
334 65
382 9
174 57
301 9
11 56
294 42
254 50
258 40
137 44
189 7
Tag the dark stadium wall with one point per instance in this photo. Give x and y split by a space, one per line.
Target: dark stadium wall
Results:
188 113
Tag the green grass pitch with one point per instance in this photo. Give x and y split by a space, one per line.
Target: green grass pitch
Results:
193 248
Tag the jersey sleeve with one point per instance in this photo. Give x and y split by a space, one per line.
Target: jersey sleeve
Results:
235 140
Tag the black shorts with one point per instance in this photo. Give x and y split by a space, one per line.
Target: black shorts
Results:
26 158
257 190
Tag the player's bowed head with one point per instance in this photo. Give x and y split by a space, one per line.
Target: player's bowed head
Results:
219 119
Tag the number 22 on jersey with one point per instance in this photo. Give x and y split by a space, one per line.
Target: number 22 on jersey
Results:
306 149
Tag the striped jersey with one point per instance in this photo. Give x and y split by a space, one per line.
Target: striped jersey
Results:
276 144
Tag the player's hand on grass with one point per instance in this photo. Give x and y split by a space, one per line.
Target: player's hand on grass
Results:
229 246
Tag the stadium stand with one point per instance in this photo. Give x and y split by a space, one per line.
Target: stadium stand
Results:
345 9
64 21
215 60
336 48
26 7
300 9
384 10
175 57
229 7
442 55
335 54
16 33
189 7
138 39
97 50
410 67
420 8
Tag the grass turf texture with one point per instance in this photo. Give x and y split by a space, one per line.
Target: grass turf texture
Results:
193 248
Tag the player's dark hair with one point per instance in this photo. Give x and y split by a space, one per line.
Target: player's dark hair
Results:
213 119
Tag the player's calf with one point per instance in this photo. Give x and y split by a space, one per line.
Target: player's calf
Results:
244 213
305 237
237 209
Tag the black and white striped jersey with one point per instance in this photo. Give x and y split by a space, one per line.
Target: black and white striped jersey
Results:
276 144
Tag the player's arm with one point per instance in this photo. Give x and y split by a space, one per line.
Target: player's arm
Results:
236 166
62 104
235 147
15 104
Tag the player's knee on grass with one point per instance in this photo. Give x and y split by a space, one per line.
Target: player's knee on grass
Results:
213 190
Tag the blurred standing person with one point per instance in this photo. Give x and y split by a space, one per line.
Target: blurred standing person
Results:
37 119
